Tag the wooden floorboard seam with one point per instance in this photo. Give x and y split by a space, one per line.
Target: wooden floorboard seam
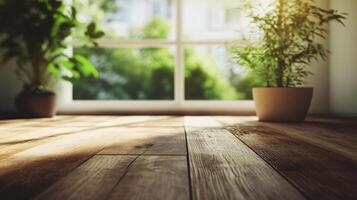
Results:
121 177
222 167
55 137
282 175
136 154
326 145
69 172
310 181
188 166
143 158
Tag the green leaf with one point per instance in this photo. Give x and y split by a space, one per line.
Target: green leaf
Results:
85 66
67 64
54 70
92 32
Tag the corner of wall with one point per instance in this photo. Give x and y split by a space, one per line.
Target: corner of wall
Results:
343 61
9 87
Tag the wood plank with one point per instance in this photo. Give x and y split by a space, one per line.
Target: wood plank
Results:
29 138
154 177
101 121
131 120
29 172
91 181
334 123
32 122
83 121
52 159
152 140
319 173
222 167
32 127
343 143
78 121
162 121
340 136
159 141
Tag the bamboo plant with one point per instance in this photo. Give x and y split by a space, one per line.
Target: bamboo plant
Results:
290 36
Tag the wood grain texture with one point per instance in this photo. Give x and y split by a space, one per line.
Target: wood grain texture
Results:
39 131
51 156
339 136
141 140
32 122
27 138
343 143
145 157
319 173
80 121
222 167
21 121
32 177
93 180
161 121
154 177
133 121
28 172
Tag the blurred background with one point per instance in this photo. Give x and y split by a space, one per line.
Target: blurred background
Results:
133 73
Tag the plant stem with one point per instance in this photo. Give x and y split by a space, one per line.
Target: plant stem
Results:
39 66
280 61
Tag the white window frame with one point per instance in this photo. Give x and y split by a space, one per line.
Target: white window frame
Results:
177 106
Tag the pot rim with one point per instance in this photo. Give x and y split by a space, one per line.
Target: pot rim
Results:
45 95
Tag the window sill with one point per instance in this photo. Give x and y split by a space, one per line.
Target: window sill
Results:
194 107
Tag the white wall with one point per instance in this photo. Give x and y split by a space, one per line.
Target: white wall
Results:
9 87
320 80
343 62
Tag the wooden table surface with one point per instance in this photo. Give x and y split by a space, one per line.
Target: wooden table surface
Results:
177 157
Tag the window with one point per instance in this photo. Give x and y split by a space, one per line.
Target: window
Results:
165 51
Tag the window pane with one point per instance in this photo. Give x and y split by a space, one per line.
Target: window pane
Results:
210 74
129 19
213 19
128 74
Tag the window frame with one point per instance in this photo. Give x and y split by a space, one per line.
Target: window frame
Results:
179 104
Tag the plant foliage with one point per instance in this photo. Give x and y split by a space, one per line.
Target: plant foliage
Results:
36 33
289 39
148 73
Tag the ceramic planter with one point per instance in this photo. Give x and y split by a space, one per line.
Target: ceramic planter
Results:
282 104
37 105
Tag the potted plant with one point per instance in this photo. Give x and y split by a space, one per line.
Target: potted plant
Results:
288 39
36 33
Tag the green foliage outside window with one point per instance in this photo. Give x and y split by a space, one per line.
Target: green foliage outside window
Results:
124 72
148 73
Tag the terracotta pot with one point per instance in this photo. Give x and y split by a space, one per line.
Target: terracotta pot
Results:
282 104
37 105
